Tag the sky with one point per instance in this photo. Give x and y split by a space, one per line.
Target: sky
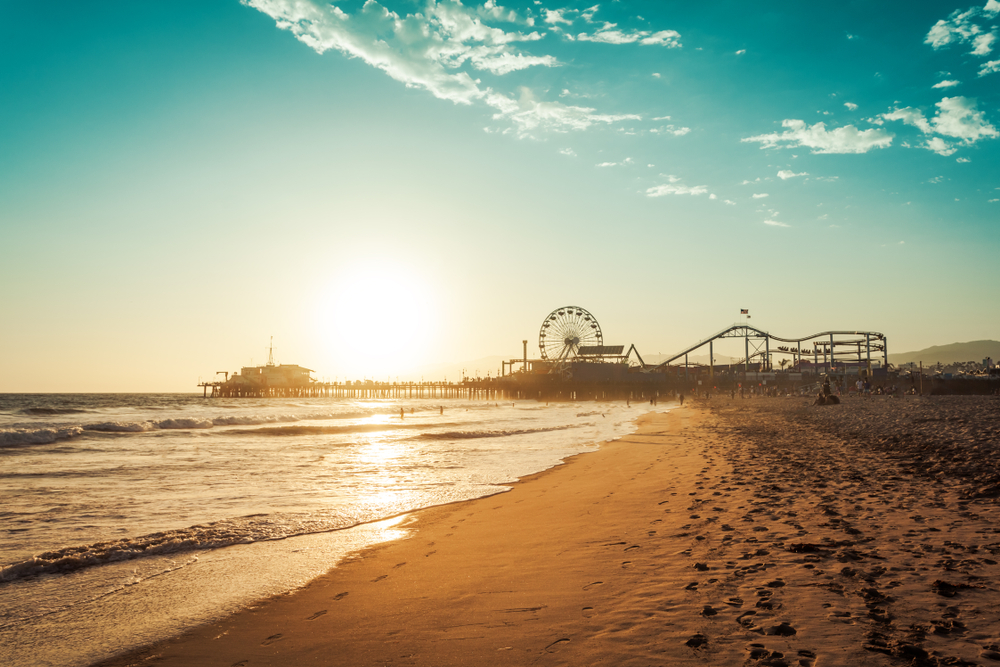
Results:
384 186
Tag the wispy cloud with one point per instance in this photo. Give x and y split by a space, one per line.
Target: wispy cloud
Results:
674 187
785 174
627 161
851 105
440 49
945 84
529 114
761 195
775 223
610 34
671 129
989 68
424 50
847 139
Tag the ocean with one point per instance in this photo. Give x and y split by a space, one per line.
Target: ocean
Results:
127 518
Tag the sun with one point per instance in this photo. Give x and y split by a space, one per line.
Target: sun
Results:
379 320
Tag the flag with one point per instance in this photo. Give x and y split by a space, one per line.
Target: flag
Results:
744 311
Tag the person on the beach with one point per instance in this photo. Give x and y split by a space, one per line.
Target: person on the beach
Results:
682 398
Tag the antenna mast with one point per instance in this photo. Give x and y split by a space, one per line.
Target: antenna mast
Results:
270 353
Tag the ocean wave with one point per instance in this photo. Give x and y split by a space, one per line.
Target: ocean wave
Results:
52 411
120 427
252 420
36 436
463 435
242 530
183 423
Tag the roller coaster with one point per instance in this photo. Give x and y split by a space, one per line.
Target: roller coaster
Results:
830 349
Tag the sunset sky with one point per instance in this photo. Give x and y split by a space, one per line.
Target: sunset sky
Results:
383 186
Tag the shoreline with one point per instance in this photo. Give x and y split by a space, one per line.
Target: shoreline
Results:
726 532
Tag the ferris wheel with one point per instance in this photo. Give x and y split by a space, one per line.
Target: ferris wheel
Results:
565 330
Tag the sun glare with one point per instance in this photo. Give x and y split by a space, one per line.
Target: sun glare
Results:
378 321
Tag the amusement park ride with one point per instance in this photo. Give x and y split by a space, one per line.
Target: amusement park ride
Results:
570 336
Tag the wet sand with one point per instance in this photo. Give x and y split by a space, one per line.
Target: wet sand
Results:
761 532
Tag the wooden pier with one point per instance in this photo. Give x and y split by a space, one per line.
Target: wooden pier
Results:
471 390
542 388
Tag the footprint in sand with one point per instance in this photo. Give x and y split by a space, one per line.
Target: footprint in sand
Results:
316 615
340 596
556 644
271 639
380 578
592 584
783 629
588 612
241 663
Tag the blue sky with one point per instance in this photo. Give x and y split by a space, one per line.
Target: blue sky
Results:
386 185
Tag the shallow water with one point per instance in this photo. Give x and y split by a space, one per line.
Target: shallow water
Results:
127 518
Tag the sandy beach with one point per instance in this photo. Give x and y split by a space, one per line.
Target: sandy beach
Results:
760 532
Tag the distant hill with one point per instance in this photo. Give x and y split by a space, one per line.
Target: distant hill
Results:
975 350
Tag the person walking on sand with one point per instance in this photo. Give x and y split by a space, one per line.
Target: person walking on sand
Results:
682 398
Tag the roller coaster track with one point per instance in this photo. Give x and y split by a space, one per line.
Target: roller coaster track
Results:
866 338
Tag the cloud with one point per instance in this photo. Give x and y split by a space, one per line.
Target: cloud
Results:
962 160
626 161
492 11
529 114
785 174
983 44
556 16
851 105
775 223
671 129
741 52
989 68
568 151
961 27
847 139
761 195
609 34
422 50
945 84
438 50
673 187
940 146
957 117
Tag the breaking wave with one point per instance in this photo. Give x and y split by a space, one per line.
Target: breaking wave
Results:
37 436
241 530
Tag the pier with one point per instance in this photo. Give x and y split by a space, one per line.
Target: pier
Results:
470 389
